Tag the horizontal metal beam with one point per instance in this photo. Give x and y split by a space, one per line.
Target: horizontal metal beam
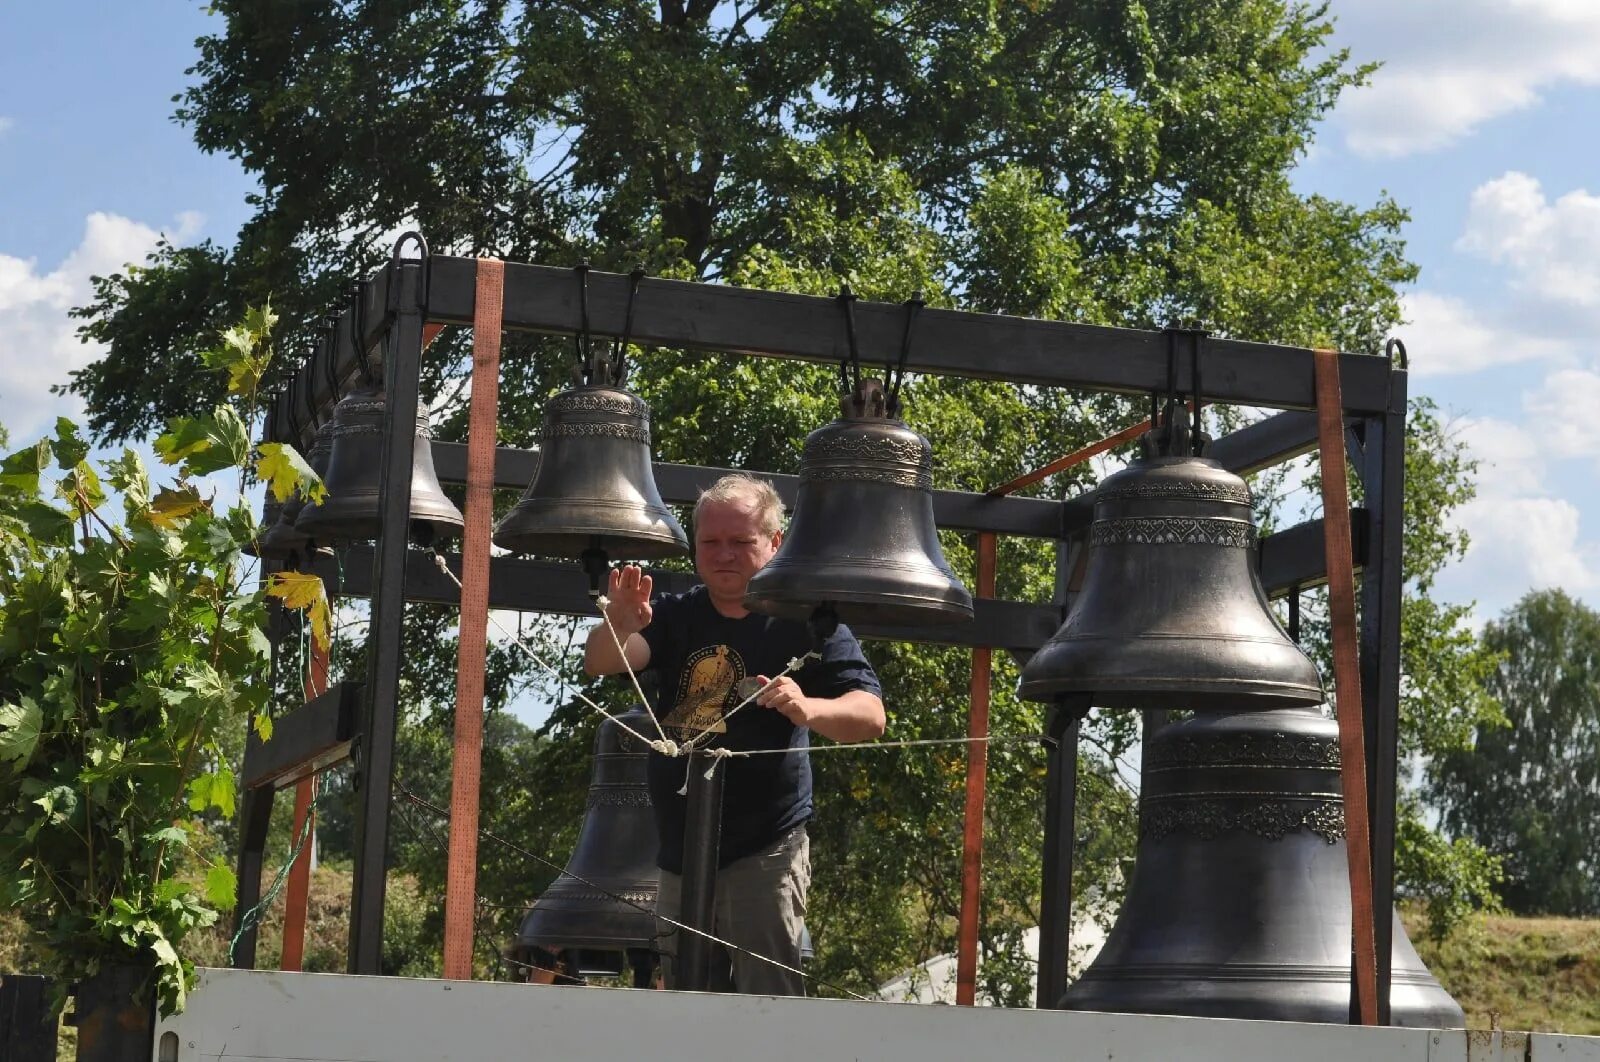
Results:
544 586
1269 441
308 739
681 484
947 342
807 327
1296 556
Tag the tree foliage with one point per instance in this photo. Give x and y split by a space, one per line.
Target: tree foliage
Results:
132 655
1119 163
1528 789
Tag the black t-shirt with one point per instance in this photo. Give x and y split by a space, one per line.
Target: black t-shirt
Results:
700 656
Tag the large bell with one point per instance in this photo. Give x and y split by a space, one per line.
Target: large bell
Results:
600 913
350 511
594 489
1239 905
863 540
277 539
1171 613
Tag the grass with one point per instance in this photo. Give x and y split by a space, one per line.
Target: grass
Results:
1535 974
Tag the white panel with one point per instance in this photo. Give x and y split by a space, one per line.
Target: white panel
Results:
1559 1047
266 1016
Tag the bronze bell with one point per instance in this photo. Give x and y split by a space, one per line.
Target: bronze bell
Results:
283 540
594 489
583 914
1171 613
863 539
277 540
350 512
1239 905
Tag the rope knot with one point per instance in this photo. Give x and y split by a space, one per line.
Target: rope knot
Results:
666 746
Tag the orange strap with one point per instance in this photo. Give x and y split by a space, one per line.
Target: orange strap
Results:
977 791
298 892
461 876
1347 676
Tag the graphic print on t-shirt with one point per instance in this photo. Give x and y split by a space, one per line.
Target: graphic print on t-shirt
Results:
705 691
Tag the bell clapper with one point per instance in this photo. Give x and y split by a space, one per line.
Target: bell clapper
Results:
822 623
596 564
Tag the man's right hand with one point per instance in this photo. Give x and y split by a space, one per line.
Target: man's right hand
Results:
629 593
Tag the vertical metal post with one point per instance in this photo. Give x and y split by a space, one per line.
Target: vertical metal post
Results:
1383 471
255 808
702 850
1060 829
374 755
977 784
28 1026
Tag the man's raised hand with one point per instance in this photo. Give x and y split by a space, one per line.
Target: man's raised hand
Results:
628 589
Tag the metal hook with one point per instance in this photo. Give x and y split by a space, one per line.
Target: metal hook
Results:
619 356
1194 378
914 307
580 341
358 329
423 256
303 381
851 381
330 350
1395 346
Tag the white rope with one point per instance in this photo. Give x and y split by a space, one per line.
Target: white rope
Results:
866 746
662 745
622 654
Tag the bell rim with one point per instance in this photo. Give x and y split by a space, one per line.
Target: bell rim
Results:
857 607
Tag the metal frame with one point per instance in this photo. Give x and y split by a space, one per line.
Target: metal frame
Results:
393 309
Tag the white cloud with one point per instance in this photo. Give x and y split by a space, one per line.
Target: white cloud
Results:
1562 407
38 341
1450 65
6 124
1549 246
1447 336
1510 460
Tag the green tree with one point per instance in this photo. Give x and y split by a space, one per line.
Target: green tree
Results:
1529 790
1120 163
132 656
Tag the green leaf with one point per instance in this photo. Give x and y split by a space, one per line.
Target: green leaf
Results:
81 489
221 887
286 473
172 507
263 725
22 469
20 726
127 474
213 790
203 445
70 447
45 522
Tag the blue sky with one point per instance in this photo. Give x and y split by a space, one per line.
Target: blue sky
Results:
1482 122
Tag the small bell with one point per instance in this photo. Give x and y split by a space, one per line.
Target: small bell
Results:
350 511
594 489
1171 613
863 542
600 911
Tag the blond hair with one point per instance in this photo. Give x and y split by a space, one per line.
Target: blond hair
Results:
737 487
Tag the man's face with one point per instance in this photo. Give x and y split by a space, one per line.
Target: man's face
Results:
730 547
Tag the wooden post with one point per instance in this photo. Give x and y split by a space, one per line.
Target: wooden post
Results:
977 783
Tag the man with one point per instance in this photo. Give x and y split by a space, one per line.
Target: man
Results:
702 644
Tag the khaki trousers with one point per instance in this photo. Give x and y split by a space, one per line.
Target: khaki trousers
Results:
760 908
